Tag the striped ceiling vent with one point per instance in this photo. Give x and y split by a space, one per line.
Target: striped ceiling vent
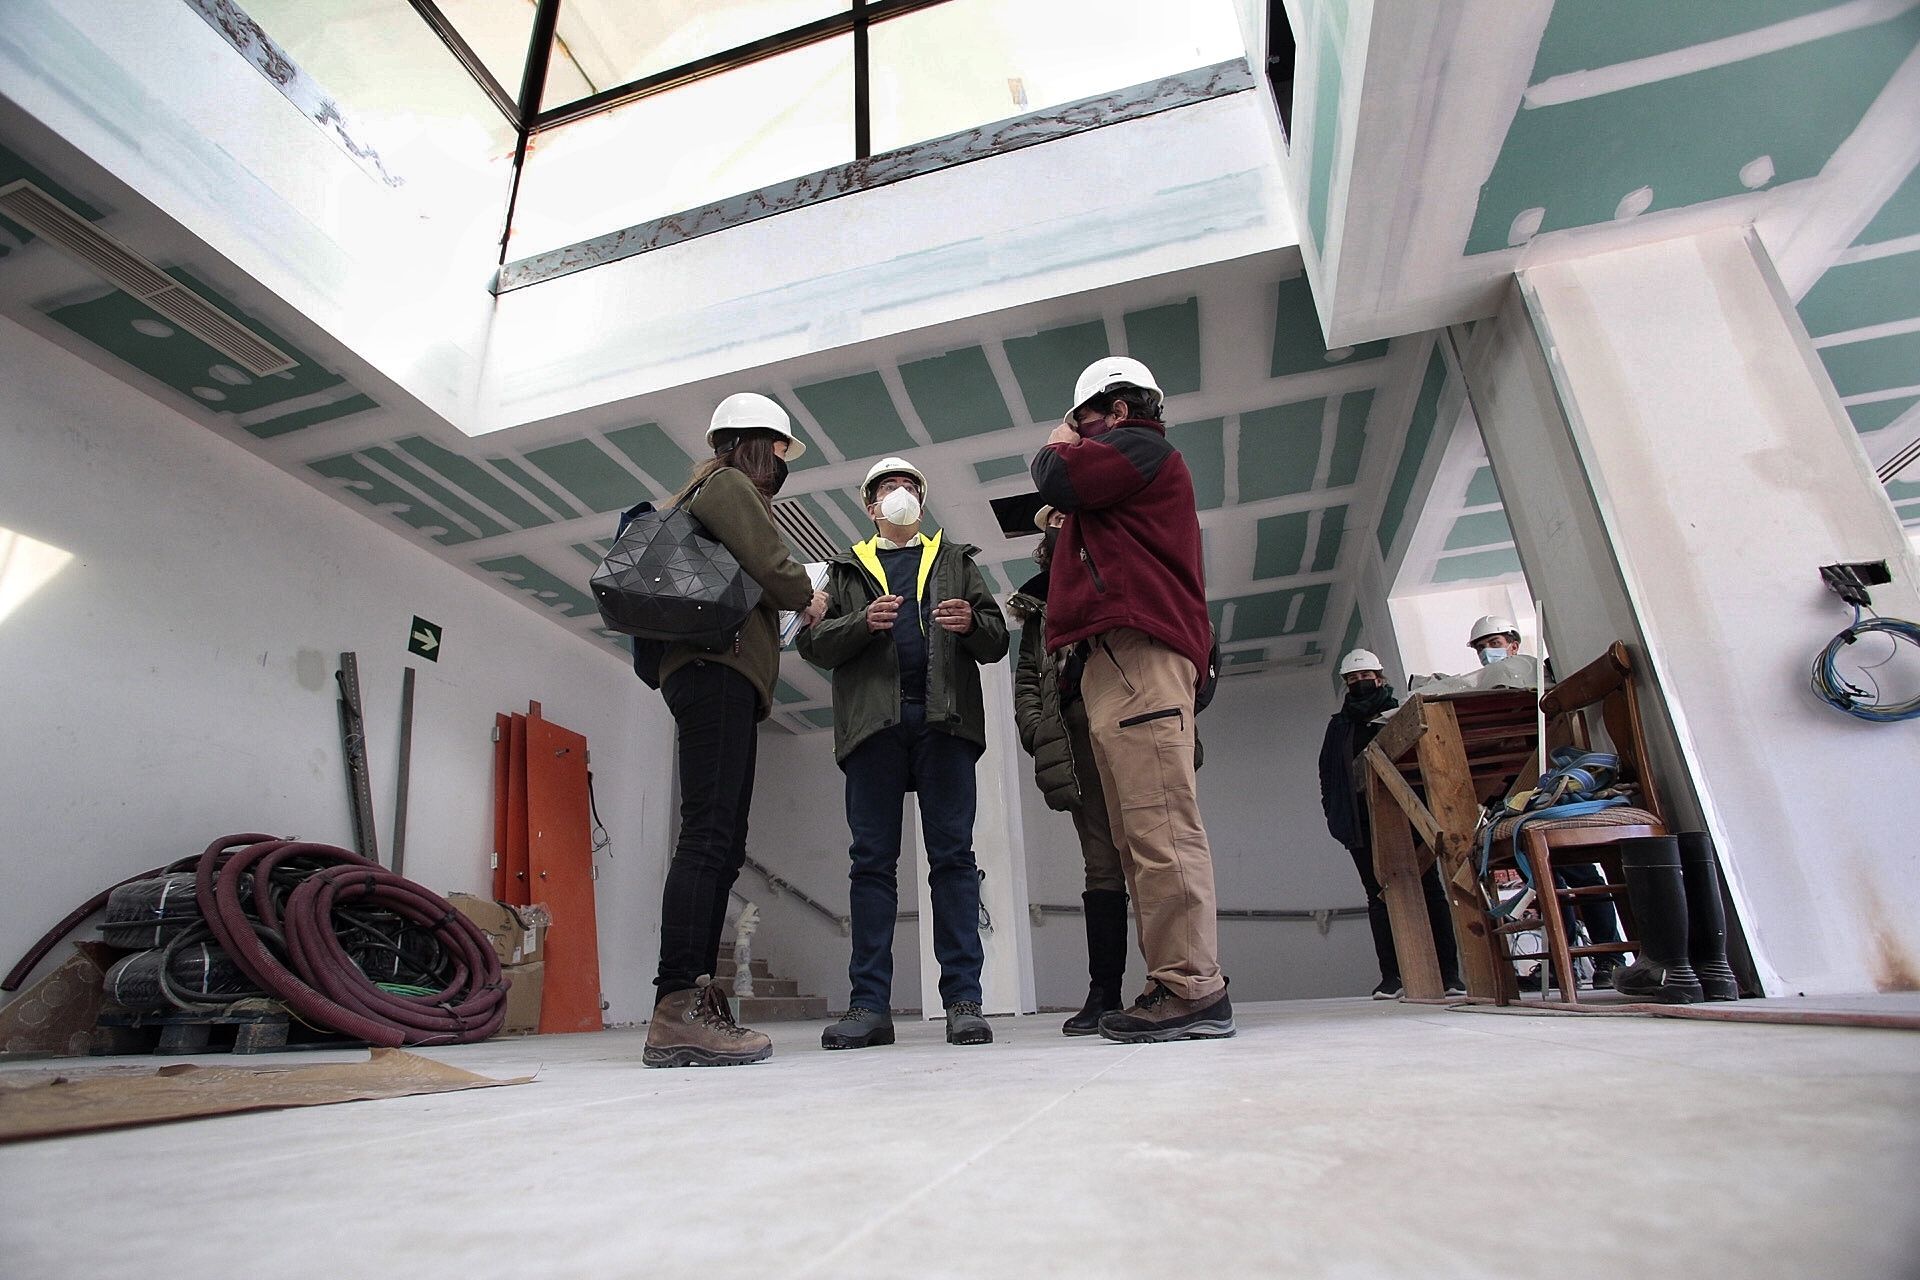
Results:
120 266
811 544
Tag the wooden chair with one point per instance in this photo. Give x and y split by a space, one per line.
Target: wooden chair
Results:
1603 689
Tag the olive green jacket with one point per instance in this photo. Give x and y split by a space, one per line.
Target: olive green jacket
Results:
866 670
729 507
1036 707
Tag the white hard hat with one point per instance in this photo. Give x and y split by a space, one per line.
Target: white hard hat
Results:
1113 371
750 411
891 467
1360 660
1492 625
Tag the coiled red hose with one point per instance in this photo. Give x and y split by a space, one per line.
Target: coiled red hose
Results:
319 982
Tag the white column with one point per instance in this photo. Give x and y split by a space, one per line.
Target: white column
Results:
999 845
1676 467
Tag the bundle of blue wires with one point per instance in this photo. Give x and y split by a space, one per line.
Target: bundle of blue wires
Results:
1833 689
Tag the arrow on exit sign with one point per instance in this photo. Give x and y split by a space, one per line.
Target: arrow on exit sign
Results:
423 639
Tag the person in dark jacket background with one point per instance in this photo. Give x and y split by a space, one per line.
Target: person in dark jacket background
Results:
1053 730
1128 595
909 623
1348 733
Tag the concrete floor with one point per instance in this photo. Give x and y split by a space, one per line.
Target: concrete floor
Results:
1331 1138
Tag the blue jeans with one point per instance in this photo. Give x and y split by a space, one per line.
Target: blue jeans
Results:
939 768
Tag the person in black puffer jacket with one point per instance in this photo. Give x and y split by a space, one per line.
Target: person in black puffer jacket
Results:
1348 733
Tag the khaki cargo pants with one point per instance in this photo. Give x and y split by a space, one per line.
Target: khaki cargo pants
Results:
1139 697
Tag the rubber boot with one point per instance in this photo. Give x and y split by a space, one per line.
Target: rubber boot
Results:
1706 918
1657 888
1106 912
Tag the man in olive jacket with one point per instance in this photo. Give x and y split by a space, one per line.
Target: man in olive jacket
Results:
909 623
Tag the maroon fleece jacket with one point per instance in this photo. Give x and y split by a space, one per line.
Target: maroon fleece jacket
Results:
1129 554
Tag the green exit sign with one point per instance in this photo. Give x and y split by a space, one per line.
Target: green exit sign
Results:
423 639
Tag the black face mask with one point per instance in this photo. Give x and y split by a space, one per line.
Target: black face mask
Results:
1367 700
779 475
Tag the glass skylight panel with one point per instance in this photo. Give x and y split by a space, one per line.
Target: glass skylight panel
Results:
601 44
754 126
970 62
499 31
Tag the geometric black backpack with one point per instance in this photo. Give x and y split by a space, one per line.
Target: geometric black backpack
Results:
667 580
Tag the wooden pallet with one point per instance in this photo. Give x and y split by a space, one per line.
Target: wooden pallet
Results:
252 1026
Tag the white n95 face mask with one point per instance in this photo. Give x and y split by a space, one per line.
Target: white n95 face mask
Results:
1491 654
900 507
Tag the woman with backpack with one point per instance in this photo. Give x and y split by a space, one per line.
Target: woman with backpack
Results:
718 697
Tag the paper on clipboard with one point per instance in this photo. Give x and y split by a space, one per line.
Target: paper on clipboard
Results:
790 622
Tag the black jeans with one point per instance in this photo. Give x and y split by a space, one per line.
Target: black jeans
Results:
716 711
939 767
1439 918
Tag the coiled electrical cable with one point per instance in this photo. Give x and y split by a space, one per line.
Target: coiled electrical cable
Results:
1836 691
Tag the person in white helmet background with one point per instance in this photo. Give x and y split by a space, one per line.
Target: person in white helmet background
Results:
718 700
1352 727
910 621
1127 594
1495 640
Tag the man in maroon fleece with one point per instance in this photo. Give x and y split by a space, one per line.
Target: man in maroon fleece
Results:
1127 591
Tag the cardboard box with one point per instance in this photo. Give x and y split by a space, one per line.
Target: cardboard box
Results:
523 998
516 932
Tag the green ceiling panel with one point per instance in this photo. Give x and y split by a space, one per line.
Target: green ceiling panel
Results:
1854 295
1874 365
1280 543
1351 440
856 514
1266 614
1297 347
654 452
183 362
956 395
477 481
1245 657
1585 36
784 692
298 419
374 489
1481 490
1879 413
1426 411
1280 449
1203 445
1047 364
442 497
1168 340
1333 529
525 479
585 471
1018 570
554 592
1477 565
1577 160
12 169
1000 468
1483 529
593 552
857 414
819 717
1903 490
1899 217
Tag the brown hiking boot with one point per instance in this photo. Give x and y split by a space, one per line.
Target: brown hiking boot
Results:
1159 1014
695 1028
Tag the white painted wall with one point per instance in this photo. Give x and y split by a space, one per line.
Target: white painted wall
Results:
1432 626
1724 472
1260 800
173 681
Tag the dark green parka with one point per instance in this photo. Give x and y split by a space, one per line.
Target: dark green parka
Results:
866 671
1036 706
